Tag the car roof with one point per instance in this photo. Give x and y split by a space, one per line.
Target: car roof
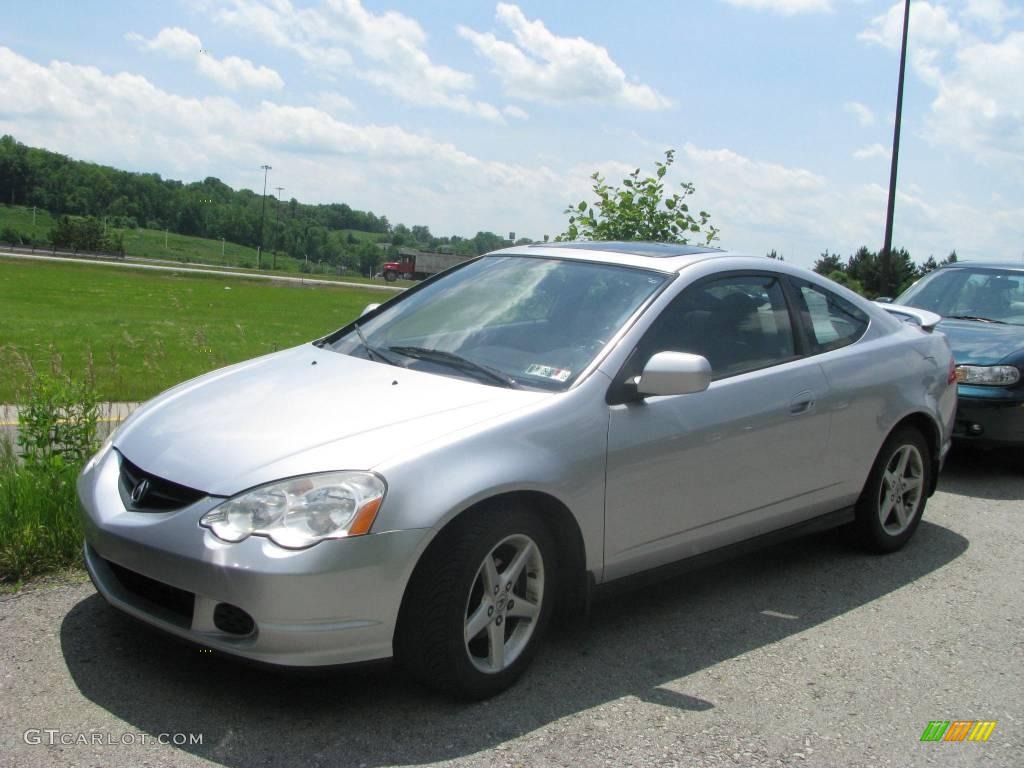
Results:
1011 265
663 257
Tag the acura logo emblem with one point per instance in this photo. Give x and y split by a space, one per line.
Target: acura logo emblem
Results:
139 491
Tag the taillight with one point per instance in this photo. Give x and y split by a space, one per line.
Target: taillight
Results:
951 378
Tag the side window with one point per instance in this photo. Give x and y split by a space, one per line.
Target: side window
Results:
831 322
738 323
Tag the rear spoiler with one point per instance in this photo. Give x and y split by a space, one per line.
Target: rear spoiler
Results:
922 317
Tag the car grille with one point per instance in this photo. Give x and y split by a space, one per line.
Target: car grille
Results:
160 496
178 603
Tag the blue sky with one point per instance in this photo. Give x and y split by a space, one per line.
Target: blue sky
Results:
469 116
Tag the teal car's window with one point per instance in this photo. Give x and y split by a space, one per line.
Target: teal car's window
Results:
986 294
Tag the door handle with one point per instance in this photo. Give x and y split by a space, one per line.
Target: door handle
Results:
801 403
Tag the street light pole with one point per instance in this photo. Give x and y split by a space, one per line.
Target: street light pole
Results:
263 208
277 220
887 248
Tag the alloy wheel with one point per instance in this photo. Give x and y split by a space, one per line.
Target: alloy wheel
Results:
900 493
504 603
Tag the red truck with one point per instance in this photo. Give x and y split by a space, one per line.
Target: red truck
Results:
417 265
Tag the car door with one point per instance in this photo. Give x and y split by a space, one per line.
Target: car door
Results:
689 473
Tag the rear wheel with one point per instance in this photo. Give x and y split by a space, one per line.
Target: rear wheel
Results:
893 500
478 603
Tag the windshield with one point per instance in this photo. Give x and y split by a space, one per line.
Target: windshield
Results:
506 320
978 293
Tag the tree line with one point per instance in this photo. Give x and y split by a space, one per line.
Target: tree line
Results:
209 208
874 274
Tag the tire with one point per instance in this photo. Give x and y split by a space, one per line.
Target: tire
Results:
447 600
893 500
390 276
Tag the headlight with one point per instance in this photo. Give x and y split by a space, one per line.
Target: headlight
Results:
988 375
302 511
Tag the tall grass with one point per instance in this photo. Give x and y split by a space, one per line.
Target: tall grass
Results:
39 524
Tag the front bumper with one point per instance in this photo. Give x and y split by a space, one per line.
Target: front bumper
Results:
334 603
989 420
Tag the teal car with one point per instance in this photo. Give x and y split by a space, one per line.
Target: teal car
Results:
982 309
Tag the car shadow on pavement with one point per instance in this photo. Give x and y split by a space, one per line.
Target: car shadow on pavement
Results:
642 644
996 474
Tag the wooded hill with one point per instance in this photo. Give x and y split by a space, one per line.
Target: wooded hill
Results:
335 232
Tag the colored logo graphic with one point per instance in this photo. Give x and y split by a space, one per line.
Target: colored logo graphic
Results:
958 730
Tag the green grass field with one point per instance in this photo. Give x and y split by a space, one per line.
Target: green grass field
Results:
150 244
19 218
139 332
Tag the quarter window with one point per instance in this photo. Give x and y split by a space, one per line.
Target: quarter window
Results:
738 323
831 322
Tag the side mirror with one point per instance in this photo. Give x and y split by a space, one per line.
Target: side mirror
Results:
674 373
368 309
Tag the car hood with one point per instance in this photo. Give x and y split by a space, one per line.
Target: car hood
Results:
978 343
300 411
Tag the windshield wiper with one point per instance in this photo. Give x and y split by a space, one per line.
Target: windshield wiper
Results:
373 350
978 318
456 361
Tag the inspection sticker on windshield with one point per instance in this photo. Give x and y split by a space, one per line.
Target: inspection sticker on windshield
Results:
547 372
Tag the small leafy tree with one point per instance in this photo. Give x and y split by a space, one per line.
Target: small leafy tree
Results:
828 263
773 254
843 279
58 423
639 210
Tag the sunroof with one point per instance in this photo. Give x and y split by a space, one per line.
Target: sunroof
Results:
657 250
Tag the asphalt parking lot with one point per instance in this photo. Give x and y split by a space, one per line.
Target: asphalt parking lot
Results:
810 653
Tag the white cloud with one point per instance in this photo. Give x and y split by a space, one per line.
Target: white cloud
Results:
407 176
871 152
784 7
760 205
930 25
979 105
517 112
860 111
993 13
333 103
231 72
416 179
541 66
391 49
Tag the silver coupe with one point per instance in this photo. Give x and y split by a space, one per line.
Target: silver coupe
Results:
500 443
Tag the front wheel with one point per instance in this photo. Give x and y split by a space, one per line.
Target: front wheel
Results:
390 275
478 603
893 500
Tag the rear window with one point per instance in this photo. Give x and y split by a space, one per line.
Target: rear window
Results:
831 322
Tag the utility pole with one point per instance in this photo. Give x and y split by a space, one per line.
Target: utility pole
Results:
263 208
277 220
33 217
165 238
222 249
887 248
